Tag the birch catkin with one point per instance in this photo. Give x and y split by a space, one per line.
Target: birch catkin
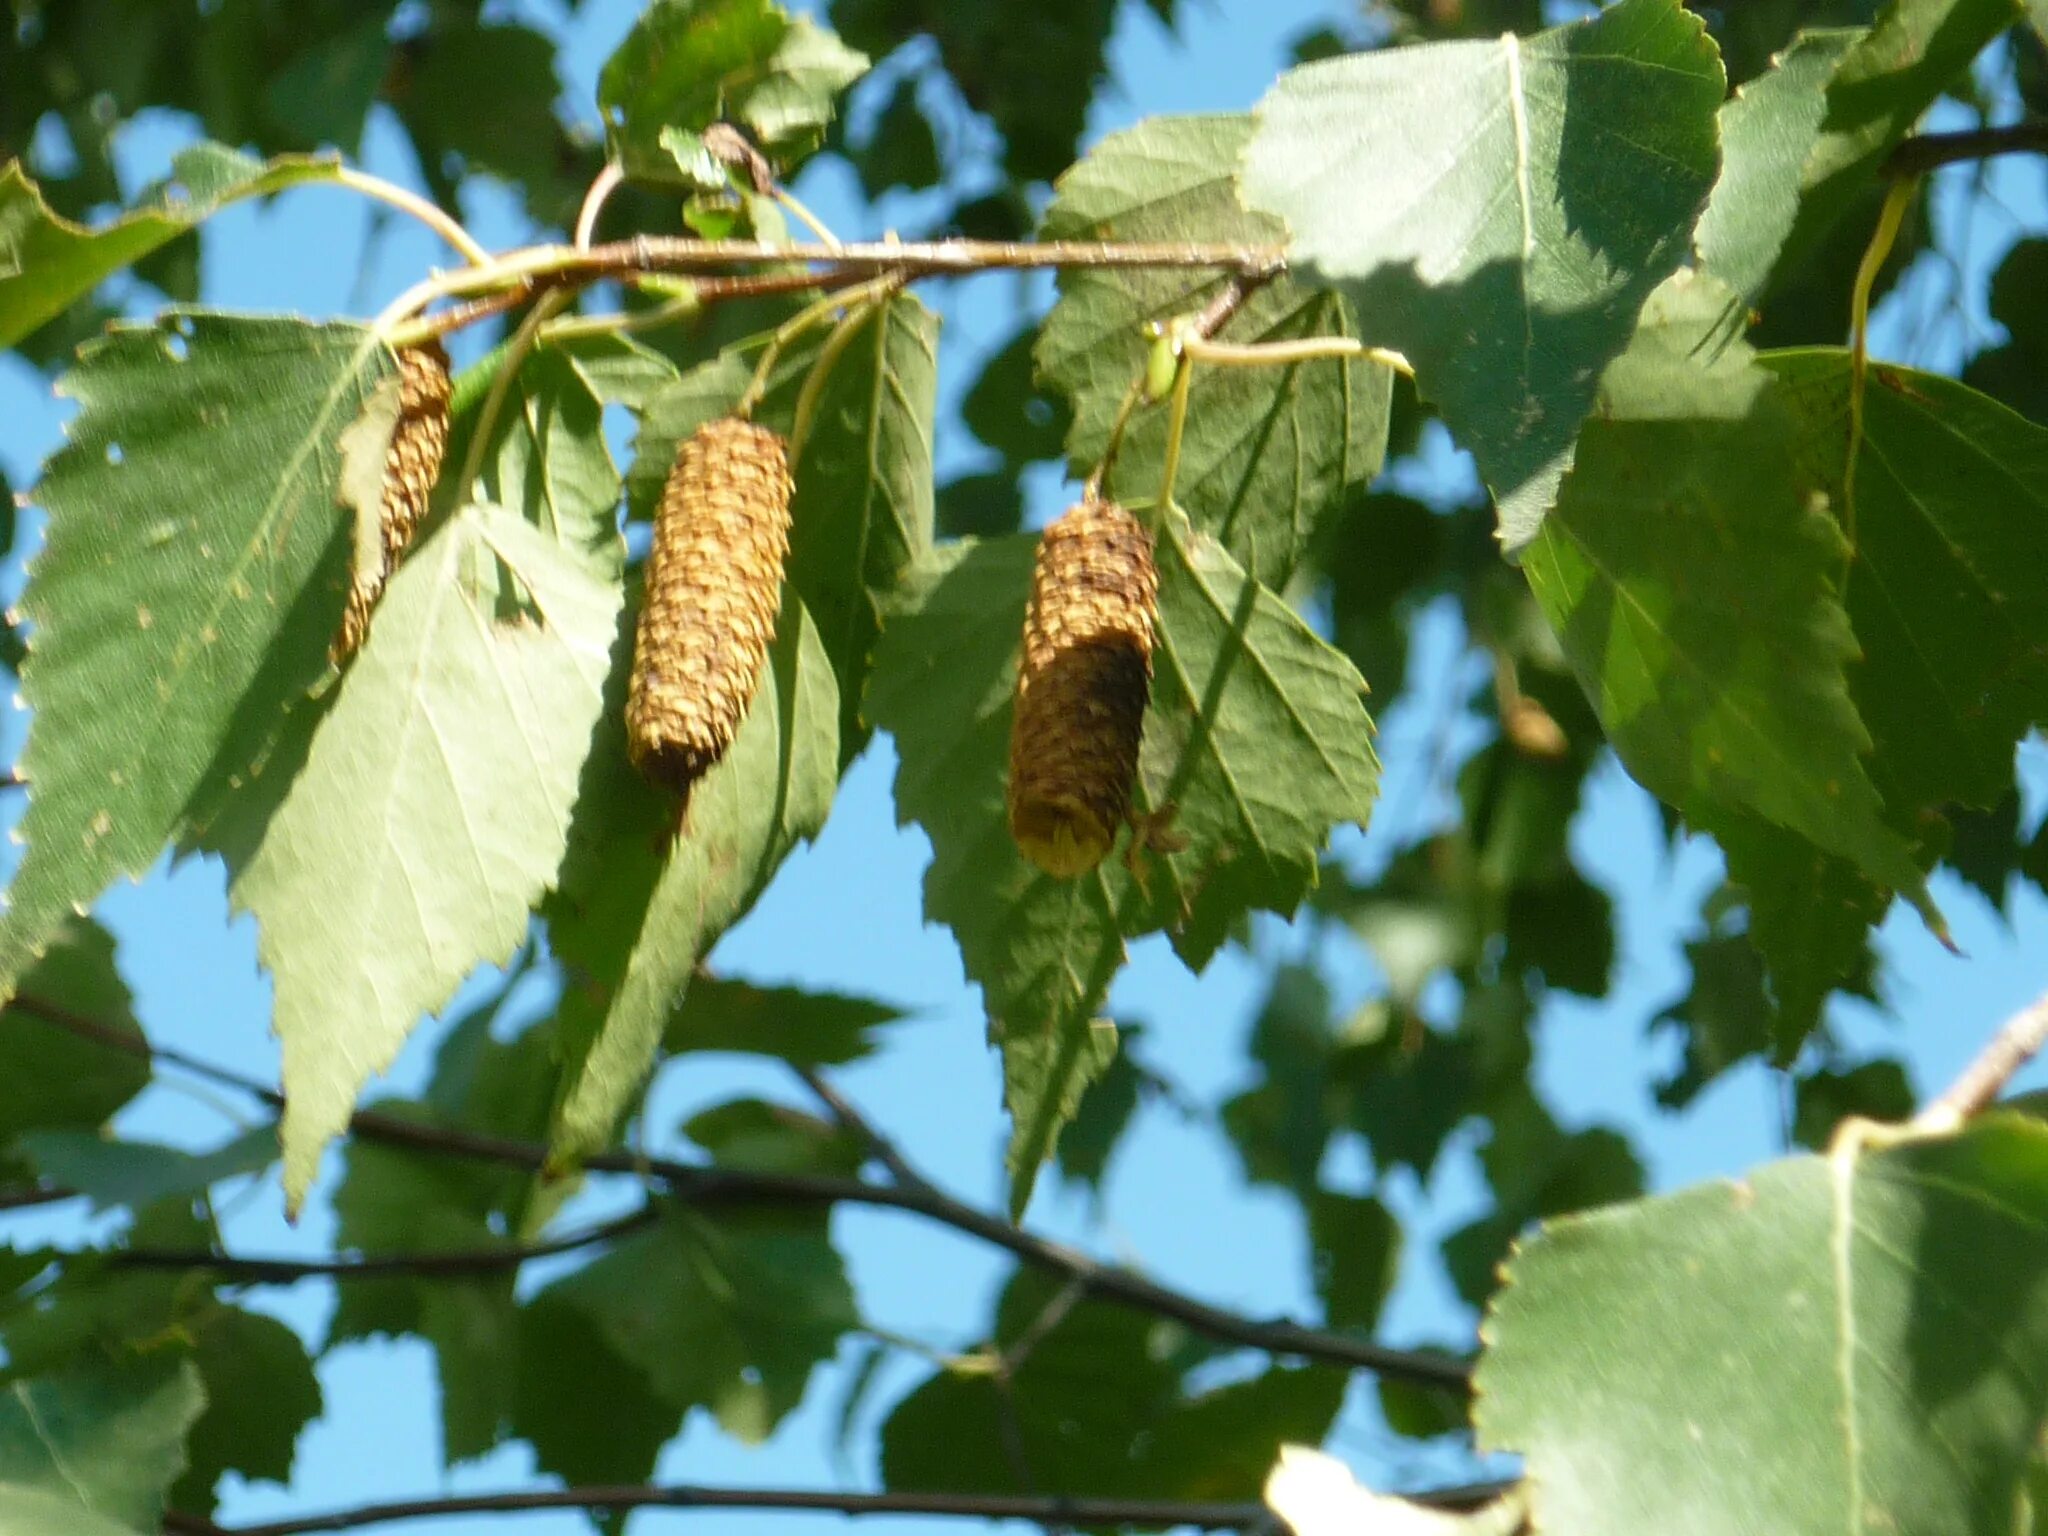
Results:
1082 688
411 466
714 585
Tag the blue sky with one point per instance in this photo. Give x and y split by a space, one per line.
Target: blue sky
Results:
845 912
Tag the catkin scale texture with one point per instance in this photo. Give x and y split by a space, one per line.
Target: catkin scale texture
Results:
1082 687
713 587
411 466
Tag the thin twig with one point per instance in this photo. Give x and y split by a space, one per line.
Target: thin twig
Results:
567 267
1924 152
33 1195
2017 1042
428 213
1049 1510
607 181
707 1186
848 1114
448 1264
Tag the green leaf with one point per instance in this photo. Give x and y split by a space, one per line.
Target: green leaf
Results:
392 1201
902 150
1810 915
585 1405
815 1029
433 810
862 515
1267 451
1949 592
194 569
323 94
1033 70
1537 1169
1044 1076
1499 212
1690 570
1854 1343
94 1449
47 262
1091 1137
50 1078
549 459
1257 734
1875 1090
1282 1124
732 1315
1355 1256
690 63
1724 1020
459 63
138 1174
1098 1401
260 1393
642 900
1768 130
1916 50
753 1133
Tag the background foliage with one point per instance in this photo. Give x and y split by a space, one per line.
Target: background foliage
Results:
1837 741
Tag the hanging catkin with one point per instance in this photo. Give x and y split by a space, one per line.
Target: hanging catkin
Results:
411 466
1082 688
714 584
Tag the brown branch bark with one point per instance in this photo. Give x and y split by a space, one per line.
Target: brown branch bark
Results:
1928 151
934 258
1048 1510
708 1186
2017 1042
461 1263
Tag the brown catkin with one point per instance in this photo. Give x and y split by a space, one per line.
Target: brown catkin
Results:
1082 688
714 584
411 466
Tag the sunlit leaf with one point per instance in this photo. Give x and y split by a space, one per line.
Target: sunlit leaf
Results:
194 569
1852 1343
1499 212
47 261
434 808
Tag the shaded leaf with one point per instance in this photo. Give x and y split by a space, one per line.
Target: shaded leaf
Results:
1875 1090
1690 571
93 1450
1256 734
690 63
1915 50
1267 451
731 1315
138 1174
642 899
1099 1402
1355 1256
52 1079
1768 130
260 1393
1032 69
1949 592
816 1029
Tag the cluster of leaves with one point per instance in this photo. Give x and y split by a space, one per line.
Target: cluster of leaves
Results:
1805 610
